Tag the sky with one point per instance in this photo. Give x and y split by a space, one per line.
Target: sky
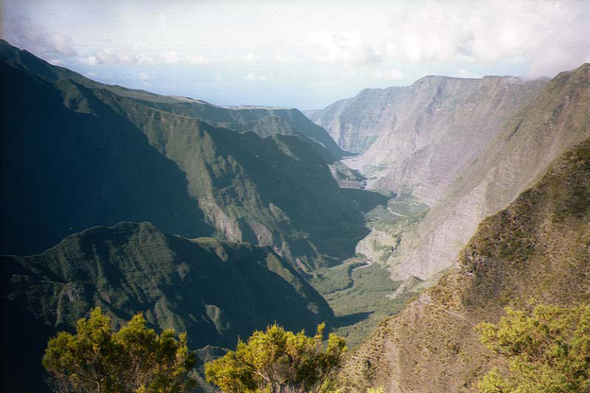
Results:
304 54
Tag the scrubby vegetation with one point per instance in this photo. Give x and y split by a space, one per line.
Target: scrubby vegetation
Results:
278 361
134 359
549 350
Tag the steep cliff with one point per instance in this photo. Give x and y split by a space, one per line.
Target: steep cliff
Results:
536 251
418 138
517 157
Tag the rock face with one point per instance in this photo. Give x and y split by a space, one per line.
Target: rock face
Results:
77 153
418 138
556 120
534 250
215 291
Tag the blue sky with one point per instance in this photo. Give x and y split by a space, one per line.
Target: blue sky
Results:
305 54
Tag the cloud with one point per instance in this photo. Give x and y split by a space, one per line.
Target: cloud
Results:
197 59
249 57
344 47
90 60
463 73
281 58
111 56
251 77
174 57
391 74
546 35
22 32
170 57
126 56
542 37
144 76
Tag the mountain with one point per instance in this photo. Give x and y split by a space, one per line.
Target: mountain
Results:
261 120
411 136
517 157
216 291
533 252
77 153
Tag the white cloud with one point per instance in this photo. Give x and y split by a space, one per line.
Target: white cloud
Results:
542 36
463 73
90 60
144 76
170 57
174 57
38 39
126 56
110 56
249 57
251 77
547 35
344 47
391 74
197 59
282 58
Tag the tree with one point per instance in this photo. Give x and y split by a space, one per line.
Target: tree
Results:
278 361
135 359
549 351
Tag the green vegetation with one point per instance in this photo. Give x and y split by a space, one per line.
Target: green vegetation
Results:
549 351
134 359
278 361
104 154
214 291
360 296
360 292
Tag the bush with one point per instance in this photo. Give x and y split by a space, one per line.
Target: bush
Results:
549 351
135 359
278 361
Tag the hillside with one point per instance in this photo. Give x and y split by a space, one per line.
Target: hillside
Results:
518 156
215 291
409 137
77 153
533 252
261 120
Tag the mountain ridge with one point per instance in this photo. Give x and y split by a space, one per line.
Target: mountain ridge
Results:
106 158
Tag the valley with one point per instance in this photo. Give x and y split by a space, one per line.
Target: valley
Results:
401 217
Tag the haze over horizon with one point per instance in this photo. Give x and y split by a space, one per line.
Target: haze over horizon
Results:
305 55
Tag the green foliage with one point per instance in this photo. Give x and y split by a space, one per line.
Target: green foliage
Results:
549 351
135 359
278 361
